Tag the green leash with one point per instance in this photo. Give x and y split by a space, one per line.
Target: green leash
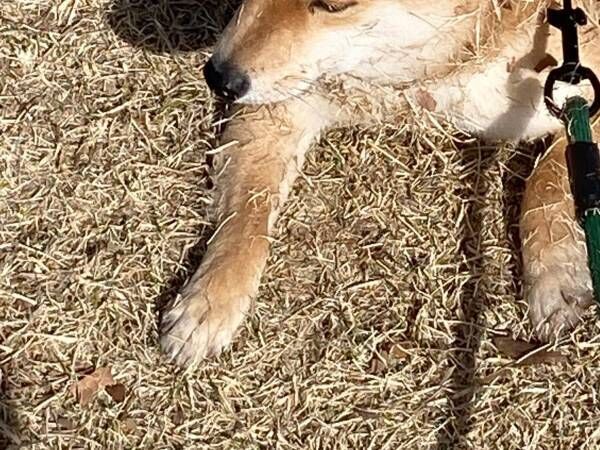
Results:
583 162
582 154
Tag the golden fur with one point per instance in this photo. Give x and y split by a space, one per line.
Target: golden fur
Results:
478 64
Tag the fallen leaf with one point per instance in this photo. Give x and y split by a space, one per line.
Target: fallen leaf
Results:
85 389
377 366
65 423
511 347
516 349
129 425
398 353
104 376
116 391
178 416
425 100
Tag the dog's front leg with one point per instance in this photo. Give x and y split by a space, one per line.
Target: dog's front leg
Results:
557 279
263 151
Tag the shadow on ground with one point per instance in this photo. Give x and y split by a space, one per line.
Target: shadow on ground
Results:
170 26
8 420
468 333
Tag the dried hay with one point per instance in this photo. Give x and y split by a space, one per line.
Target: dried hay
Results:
396 263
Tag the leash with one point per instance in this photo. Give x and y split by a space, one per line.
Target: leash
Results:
582 154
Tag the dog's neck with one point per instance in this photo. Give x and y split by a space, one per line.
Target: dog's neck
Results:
434 45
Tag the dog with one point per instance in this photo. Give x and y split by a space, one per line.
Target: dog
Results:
295 68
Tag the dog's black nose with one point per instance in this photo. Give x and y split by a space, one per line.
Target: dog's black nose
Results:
226 80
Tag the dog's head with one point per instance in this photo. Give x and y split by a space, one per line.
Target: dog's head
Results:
276 49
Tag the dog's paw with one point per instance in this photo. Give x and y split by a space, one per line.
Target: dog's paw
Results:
557 300
196 326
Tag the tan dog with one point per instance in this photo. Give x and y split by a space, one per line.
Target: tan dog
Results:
303 66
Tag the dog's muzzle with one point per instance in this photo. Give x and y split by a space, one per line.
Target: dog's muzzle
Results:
226 80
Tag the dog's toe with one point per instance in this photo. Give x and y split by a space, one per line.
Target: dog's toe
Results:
557 302
195 328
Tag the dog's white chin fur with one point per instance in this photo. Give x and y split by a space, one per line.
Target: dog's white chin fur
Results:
266 96
260 98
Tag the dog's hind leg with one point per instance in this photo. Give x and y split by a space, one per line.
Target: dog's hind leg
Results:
557 280
262 154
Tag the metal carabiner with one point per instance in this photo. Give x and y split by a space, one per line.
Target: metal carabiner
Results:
567 20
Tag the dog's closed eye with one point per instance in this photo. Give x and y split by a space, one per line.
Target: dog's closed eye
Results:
331 6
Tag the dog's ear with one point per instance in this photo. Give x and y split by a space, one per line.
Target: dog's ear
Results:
331 6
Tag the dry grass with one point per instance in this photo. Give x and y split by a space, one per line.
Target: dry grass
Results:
396 262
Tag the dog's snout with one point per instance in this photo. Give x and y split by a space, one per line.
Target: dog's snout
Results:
226 80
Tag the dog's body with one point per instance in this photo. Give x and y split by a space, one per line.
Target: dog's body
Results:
304 66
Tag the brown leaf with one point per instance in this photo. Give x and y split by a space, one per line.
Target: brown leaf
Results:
398 353
516 349
85 389
425 100
116 391
377 366
178 416
129 425
104 376
512 348
65 423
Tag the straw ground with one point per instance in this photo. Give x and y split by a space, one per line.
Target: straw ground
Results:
395 263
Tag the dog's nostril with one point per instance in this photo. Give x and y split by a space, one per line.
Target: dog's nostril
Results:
237 85
226 80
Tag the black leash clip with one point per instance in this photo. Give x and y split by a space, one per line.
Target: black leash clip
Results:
567 20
